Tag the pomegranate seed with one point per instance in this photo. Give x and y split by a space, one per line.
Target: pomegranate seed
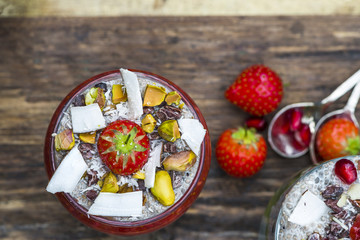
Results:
346 171
295 120
259 123
303 135
355 229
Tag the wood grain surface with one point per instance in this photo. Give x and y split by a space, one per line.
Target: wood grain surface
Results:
42 59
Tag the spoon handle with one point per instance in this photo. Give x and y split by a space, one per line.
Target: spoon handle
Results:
353 99
342 89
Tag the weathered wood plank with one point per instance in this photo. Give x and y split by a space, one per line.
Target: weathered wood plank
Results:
43 59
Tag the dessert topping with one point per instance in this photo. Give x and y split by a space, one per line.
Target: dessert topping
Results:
154 96
163 190
64 140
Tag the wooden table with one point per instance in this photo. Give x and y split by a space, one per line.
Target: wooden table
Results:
42 59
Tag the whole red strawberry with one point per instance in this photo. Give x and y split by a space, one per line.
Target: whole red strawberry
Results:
124 147
337 138
241 152
257 90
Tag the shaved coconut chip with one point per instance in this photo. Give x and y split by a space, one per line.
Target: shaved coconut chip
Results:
152 163
122 109
133 93
354 191
308 210
117 204
68 174
342 201
193 133
87 118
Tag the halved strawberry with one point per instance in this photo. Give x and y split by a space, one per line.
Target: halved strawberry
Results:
124 147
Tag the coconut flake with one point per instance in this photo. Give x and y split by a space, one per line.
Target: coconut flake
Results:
354 191
193 133
133 93
340 223
308 210
87 118
69 173
122 109
152 163
117 204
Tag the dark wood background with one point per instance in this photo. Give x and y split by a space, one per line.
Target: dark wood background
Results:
42 59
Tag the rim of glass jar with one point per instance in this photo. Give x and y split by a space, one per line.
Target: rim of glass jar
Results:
140 226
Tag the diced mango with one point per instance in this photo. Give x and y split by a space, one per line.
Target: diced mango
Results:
154 96
117 94
139 175
172 97
88 137
148 123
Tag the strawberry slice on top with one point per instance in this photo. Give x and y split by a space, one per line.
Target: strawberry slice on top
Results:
124 147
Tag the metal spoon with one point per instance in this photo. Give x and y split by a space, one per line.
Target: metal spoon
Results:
347 112
284 143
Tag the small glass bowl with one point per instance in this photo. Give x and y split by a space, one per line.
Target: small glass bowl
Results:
130 227
270 223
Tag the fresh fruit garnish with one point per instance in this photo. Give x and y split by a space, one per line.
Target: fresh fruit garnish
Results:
257 90
118 94
355 229
154 96
303 136
124 147
241 152
346 171
88 137
173 98
259 123
338 137
148 123
295 119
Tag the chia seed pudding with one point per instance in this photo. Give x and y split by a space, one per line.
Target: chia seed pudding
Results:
333 190
97 177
